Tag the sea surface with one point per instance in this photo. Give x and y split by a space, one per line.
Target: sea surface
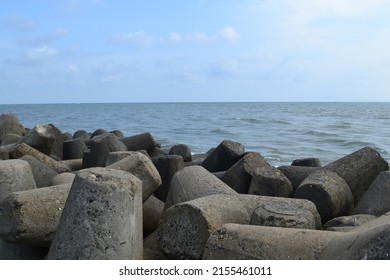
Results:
281 132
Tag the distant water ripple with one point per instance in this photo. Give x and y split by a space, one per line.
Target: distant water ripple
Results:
281 132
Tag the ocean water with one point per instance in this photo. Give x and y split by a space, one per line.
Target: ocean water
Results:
281 132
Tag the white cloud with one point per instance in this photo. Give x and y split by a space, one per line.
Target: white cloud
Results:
227 34
72 68
137 39
41 54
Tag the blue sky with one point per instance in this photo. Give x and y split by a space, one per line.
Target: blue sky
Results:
68 51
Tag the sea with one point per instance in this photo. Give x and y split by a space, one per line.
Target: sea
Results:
280 132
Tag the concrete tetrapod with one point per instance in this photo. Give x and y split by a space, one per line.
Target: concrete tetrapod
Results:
102 218
32 216
242 242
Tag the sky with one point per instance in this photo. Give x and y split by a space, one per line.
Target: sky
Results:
92 51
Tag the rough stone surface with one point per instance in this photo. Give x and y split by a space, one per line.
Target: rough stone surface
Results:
9 124
248 242
359 170
313 162
117 156
349 221
15 175
185 227
74 149
10 251
152 209
282 214
296 174
152 250
102 218
42 138
9 139
194 182
376 200
329 192
43 174
181 150
167 166
239 176
63 178
144 141
101 146
270 181
370 241
24 149
142 167
224 156
31 216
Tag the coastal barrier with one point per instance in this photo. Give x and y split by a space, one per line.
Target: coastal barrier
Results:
103 195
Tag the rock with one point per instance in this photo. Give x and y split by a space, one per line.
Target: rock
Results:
359 170
152 250
82 134
296 174
194 182
98 132
185 227
376 200
42 138
239 176
43 174
138 142
31 217
181 150
167 166
312 162
270 181
24 149
370 241
9 139
10 251
281 214
73 164
74 149
15 175
117 133
9 124
329 192
277 207
224 156
117 156
152 209
142 167
101 146
349 221
102 218
63 178
248 242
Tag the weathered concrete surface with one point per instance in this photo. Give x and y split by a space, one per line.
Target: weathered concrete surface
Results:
10 124
370 241
284 214
152 250
194 182
24 149
167 166
31 217
74 149
102 218
15 175
43 174
181 150
143 168
376 200
63 178
349 221
144 141
117 156
239 176
270 181
224 156
329 192
359 170
296 174
152 209
185 227
248 242
313 162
